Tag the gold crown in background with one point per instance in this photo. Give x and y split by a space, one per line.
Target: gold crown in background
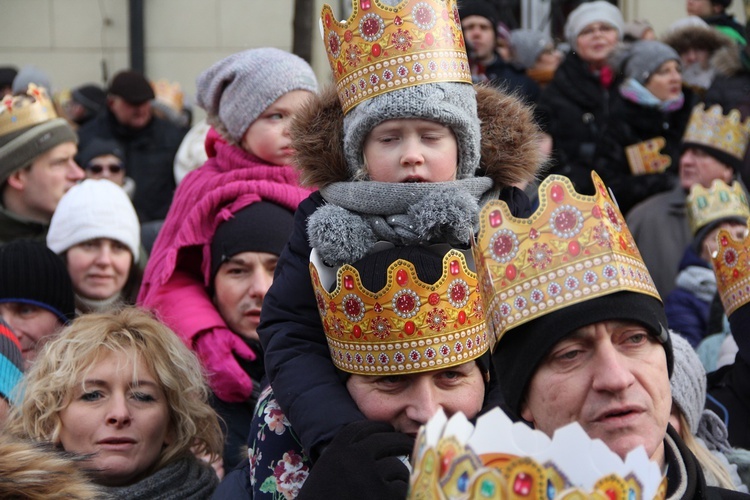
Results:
25 110
718 202
408 326
573 248
714 129
382 48
170 93
731 264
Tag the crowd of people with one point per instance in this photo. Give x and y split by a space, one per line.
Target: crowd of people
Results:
271 302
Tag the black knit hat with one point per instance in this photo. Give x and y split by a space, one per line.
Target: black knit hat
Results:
480 8
260 227
100 147
92 97
132 86
31 273
522 349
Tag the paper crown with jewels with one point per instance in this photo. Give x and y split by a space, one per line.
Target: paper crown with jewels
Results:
573 248
382 48
408 326
720 201
731 263
713 129
25 110
498 459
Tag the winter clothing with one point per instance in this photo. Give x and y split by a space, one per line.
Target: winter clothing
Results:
33 274
31 74
94 209
192 152
240 87
592 12
99 147
726 24
20 148
643 58
91 97
527 45
131 86
11 362
187 478
290 327
688 306
14 227
481 8
507 78
149 154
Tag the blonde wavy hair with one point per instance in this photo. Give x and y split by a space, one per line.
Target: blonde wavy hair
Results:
48 387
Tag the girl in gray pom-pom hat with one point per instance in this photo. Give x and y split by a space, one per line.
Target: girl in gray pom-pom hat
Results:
408 166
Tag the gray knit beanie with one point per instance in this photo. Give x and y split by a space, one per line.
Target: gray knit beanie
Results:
527 45
688 382
239 88
592 12
451 104
644 57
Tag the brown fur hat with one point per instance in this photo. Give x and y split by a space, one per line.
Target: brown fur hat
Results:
510 139
696 37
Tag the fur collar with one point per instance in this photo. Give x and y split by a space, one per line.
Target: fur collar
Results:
510 139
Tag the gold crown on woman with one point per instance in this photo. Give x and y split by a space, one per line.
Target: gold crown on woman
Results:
407 327
573 248
25 110
731 264
720 201
382 48
712 128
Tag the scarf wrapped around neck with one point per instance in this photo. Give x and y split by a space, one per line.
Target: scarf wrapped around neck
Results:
634 91
184 479
358 214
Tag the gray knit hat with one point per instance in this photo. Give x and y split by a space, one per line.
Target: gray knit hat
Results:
239 88
644 57
688 381
451 104
592 12
527 45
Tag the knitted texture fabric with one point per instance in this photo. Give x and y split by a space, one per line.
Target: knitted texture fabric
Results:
688 381
100 147
645 57
451 104
33 274
95 208
184 479
527 45
19 149
592 12
11 362
240 87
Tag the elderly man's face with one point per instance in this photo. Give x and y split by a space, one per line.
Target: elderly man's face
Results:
610 377
134 116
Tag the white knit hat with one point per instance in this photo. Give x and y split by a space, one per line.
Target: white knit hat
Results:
95 208
592 12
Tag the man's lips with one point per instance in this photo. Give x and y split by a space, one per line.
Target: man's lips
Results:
619 414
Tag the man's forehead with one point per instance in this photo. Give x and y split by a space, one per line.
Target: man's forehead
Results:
246 258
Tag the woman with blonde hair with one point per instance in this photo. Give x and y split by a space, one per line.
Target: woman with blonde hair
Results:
123 390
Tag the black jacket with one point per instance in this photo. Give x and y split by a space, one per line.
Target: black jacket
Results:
729 397
508 77
149 159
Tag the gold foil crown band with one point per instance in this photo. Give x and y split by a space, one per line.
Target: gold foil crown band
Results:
25 110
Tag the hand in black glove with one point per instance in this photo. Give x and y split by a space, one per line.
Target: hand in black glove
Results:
362 462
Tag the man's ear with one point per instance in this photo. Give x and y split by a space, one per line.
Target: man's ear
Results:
526 412
17 180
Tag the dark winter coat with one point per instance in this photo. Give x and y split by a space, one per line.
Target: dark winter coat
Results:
298 364
629 124
687 313
507 77
729 397
149 159
574 109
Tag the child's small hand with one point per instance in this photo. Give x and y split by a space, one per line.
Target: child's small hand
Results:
217 349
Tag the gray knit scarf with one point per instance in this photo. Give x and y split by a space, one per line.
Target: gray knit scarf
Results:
187 478
358 214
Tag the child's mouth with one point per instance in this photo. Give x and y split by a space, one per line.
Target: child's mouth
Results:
413 179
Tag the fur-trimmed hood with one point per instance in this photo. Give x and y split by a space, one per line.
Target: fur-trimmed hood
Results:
510 139
697 37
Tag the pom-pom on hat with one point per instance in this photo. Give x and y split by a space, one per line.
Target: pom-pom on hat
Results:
132 87
11 362
33 274
644 57
95 208
240 87
592 12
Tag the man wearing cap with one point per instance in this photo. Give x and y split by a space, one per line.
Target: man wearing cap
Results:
37 150
150 142
659 224
582 331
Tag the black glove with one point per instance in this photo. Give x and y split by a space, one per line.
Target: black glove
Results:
362 462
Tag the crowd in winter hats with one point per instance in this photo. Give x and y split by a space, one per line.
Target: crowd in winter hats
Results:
642 58
95 208
100 147
11 362
237 89
33 274
592 12
527 45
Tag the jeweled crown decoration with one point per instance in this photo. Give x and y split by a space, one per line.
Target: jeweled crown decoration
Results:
382 48
497 459
731 264
720 201
711 127
25 110
573 248
408 326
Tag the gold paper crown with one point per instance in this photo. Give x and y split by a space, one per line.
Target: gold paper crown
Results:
646 158
461 462
573 248
718 202
732 268
25 110
382 48
408 326
712 128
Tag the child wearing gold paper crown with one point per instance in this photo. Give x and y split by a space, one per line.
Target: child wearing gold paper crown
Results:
406 162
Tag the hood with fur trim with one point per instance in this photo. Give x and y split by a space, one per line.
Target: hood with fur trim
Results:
697 37
510 139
